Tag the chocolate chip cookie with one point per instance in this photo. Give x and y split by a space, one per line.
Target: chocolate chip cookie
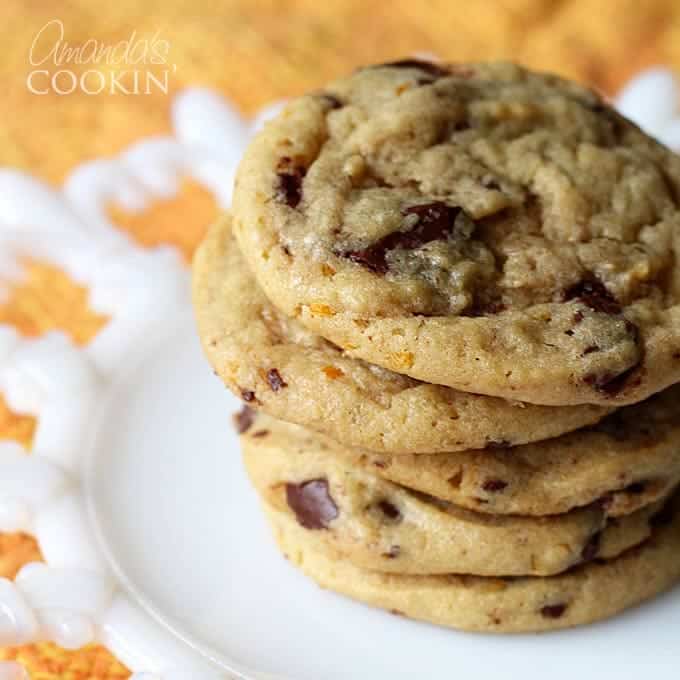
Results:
375 524
275 364
479 226
591 592
629 460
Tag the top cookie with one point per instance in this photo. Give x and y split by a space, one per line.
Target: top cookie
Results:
481 226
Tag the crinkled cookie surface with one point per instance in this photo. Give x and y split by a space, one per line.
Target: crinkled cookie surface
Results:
479 226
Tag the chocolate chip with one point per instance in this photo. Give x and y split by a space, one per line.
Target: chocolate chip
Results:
593 293
260 433
248 395
312 503
589 350
676 355
494 485
244 419
380 464
578 317
610 384
276 382
389 510
592 547
370 258
553 611
392 553
290 176
435 70
636 488
435 221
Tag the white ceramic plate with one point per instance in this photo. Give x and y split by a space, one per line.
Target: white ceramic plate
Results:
184 530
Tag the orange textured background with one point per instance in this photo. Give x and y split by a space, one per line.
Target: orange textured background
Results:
254 51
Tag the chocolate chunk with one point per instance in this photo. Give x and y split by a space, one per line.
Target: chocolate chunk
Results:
389 510
290 176
494 485
676 355
553 611
435 221
244 419
312 503
370 258
610 384
434 70
589 350
276 382
636 488
592 547
593 293
578 317
248 395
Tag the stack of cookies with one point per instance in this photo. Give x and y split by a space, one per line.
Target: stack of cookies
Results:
449 297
